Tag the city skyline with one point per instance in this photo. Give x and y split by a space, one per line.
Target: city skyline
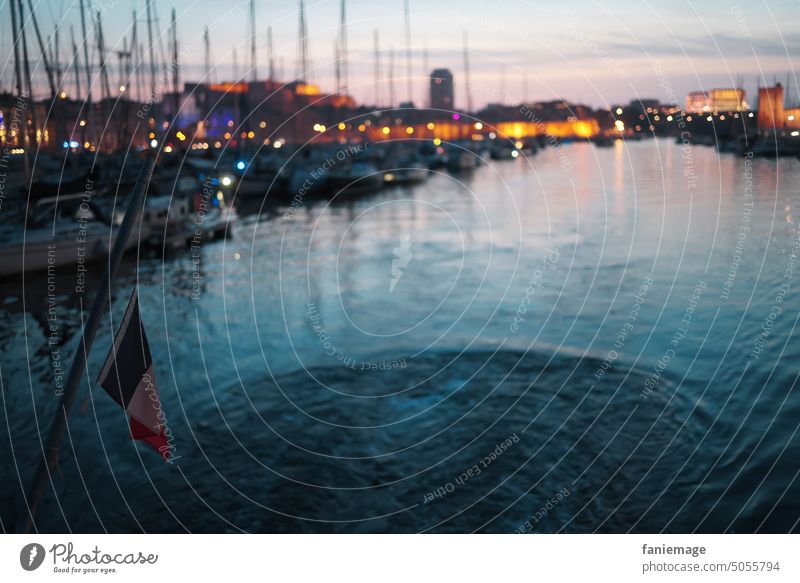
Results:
597 58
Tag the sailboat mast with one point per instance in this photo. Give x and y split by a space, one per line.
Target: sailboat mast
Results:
43 49
391 76
302 39
207 56
467 86
105 86
377 70
15 33
409 74
27 69
271 55
342 57
176 79
133 74
426 72
57 60
253 70
88 66
152 62
76 65
16 37
337 66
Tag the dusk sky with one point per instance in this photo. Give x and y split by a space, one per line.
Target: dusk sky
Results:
581 51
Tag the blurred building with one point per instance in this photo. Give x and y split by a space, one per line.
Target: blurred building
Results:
252 110
773 115
697 102
716 100
442 89
770 107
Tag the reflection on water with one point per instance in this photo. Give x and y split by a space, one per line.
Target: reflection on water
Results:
343 367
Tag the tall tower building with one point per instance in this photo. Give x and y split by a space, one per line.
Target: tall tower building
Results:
441 89
770 107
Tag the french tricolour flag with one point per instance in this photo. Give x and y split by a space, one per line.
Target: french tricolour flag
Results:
127 376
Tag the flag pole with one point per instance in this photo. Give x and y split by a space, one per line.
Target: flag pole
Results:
50 452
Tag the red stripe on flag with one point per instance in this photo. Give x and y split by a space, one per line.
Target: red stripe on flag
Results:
158 441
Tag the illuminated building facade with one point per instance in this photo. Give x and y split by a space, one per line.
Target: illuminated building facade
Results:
727 100
697 102
716 100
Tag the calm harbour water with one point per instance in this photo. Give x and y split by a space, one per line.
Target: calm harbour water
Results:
600 333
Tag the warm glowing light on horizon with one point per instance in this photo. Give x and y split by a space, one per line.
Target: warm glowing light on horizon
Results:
307 89
230 87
